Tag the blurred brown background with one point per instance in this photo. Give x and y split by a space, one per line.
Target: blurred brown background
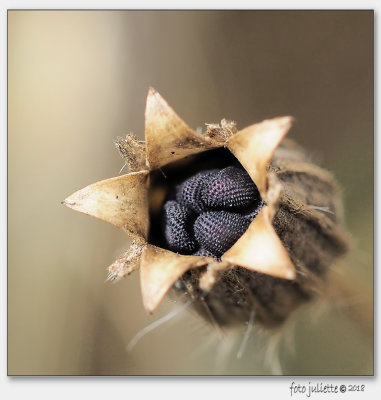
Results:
78 79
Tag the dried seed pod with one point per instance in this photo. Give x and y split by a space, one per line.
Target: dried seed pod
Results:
257 223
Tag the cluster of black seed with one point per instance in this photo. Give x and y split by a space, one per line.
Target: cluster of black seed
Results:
208 212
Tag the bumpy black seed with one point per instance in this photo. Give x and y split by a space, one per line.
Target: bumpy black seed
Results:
217 231
229 189
189 193
213 209
176 219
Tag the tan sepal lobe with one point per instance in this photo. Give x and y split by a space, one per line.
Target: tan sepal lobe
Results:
160 269
121 201
168 137
133 152
125 264
255 145
260 249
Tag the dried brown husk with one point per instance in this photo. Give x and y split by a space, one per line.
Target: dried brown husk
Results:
307 219
282 259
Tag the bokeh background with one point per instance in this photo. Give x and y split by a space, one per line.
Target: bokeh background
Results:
77 80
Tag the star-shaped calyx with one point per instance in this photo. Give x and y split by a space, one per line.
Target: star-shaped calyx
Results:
124 201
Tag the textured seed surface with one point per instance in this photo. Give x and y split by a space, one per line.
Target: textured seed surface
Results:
217 231
230 189
213 209
189 193
176 218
